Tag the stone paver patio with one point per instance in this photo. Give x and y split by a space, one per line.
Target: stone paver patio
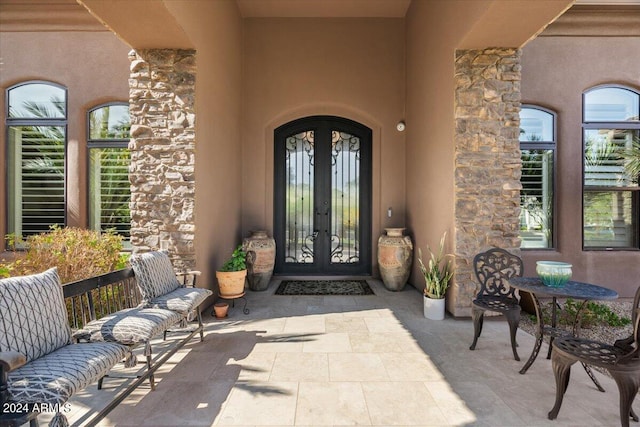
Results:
346 360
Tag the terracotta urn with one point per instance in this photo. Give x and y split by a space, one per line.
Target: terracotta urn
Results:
261 258
395 255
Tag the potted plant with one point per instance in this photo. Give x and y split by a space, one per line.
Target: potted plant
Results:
232 275
437 275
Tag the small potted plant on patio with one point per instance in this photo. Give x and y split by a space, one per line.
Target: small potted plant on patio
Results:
437 275
231 277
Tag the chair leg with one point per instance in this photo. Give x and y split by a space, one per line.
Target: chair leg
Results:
628 384
200 324
152 380
513 318
478 319
562 371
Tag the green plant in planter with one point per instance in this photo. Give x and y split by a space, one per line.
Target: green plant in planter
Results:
438 273
237 262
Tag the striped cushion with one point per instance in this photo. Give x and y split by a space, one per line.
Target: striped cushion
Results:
182 300
33 315
130 326
154 274
53 378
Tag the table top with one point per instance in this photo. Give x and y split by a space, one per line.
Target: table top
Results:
576 290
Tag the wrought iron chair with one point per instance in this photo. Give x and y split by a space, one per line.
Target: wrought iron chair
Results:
493 269
621 360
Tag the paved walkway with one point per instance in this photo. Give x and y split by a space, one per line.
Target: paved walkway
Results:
342 360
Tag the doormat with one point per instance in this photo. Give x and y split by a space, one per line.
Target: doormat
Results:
324 287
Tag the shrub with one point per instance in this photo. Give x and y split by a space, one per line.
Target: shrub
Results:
593 314
78 254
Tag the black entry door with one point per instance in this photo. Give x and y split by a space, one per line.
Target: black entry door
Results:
322 197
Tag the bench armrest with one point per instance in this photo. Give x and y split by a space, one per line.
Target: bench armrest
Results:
11 360
184 274
189 273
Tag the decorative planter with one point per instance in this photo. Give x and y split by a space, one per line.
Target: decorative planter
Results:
261 258
433 308
231 283
221 308
395 254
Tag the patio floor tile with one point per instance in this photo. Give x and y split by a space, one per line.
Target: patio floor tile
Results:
396 403
346 400
371 360
300 367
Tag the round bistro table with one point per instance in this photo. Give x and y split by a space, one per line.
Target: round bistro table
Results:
576 290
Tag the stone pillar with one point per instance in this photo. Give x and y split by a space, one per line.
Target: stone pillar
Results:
487 162
162 175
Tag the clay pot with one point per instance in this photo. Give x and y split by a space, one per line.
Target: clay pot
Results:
261 258
221 309
231 283
395 255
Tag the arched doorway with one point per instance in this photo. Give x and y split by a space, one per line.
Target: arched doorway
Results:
322 197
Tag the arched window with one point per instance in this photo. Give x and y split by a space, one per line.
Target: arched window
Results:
109 159
36 144
538 147
611 146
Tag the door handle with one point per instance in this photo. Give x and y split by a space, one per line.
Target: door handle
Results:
326 222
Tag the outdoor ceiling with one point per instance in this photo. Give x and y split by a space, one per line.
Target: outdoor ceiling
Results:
323 8
36 15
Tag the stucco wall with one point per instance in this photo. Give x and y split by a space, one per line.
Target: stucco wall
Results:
94 68
555 72
215 28
434 30
294 68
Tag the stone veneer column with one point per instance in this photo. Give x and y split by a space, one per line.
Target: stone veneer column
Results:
161 105
487 162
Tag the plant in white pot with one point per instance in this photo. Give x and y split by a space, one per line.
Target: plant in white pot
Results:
437 275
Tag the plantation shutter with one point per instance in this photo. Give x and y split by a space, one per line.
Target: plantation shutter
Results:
36 178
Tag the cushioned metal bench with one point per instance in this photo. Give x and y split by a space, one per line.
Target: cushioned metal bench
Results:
40 367
164 302
130 307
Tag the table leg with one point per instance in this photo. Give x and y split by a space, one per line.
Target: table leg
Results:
554 323
539 337
576 333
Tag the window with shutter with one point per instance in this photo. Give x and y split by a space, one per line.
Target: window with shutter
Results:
36 145
538 148
109 159
611 195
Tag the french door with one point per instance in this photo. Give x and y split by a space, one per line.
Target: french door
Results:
322 189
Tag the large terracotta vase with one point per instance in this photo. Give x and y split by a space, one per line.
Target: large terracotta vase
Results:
261 258
395 254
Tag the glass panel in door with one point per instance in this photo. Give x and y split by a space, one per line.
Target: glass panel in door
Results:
345 198
299 203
